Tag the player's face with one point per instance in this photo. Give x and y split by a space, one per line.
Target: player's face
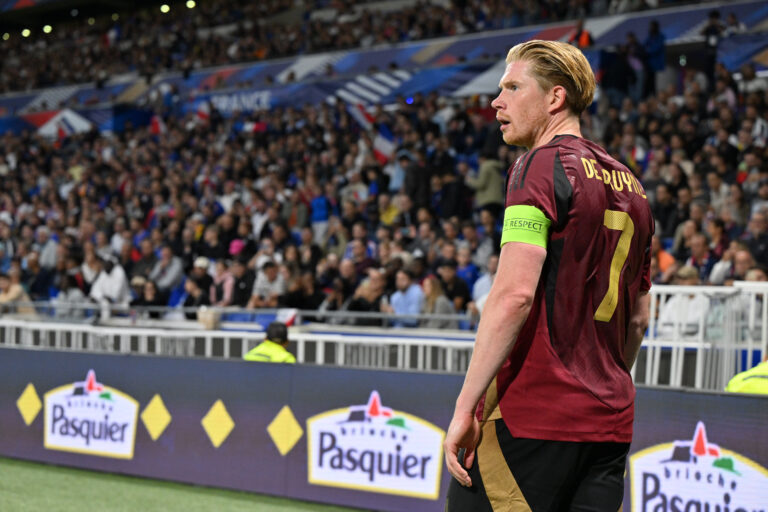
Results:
520 106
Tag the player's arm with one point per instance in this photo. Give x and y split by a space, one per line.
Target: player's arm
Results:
504 314
638 323
506 309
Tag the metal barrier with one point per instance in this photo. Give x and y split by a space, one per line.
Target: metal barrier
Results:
698 337
430 354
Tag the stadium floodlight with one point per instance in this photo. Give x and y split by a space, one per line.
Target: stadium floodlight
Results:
25 32
47 29
191 4
164 8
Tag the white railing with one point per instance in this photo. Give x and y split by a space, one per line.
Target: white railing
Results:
698 337
431 354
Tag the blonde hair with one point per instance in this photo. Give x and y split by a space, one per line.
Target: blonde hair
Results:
555 63
431 298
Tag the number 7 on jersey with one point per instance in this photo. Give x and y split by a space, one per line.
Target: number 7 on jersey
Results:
620 221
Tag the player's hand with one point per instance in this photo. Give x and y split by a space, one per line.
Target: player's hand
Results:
463 432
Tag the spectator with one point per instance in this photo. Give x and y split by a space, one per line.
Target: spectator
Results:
736 261
482 286
488 184
636 60
750 82
267 288
200 273
701 258
37 280
152 298
655 49
13 298
212 247
335 300
718 191
147 259
244 279
360 258
618 76
663 211
70 302
368 297
436 303
111 286
137 286
733 26
46 247
103 247
303 294
167 272
407 300
466 269
719 240
455 288
581 38
760 202
196 298
756 236
223 286
713 31
683 313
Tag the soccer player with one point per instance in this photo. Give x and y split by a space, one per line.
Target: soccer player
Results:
548 385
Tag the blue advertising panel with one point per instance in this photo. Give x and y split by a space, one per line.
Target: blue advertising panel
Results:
341 436
314 433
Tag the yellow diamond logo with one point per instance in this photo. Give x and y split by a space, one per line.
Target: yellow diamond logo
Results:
29 404
155 417
218 423
284 430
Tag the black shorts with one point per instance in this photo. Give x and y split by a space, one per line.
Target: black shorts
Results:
512 474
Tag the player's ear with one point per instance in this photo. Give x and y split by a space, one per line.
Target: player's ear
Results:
557 97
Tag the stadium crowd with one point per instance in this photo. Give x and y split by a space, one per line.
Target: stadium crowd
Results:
299 211
232 31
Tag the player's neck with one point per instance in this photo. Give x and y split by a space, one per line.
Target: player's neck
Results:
561 125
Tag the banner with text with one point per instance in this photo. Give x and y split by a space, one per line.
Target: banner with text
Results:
335 435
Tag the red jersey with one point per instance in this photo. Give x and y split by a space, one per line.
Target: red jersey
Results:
565 379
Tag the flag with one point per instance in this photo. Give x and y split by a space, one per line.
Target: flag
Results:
384 144
203 111
64 128
251 127
362 116
157 125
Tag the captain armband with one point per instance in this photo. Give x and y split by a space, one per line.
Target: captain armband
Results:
527 224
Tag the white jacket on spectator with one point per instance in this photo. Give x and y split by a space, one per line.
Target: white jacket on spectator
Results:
112 287
681 316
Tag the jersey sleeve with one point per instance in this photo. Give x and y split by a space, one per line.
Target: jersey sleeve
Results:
531 206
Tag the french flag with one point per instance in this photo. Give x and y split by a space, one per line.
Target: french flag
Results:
64 128
254 127
204 111
384 144
157 125
362 116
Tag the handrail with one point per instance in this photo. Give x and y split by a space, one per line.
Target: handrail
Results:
716 332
